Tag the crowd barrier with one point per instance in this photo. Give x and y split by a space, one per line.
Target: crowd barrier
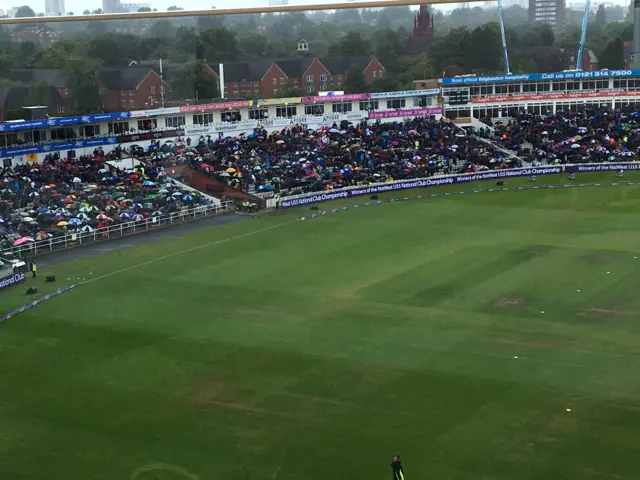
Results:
114 231
356 191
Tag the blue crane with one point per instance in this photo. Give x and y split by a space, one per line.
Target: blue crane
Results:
583 35
507 71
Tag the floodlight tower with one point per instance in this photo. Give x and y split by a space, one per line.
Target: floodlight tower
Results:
507 71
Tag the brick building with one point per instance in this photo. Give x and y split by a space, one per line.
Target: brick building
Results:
13 99
131 89
265 78
122 89
423 33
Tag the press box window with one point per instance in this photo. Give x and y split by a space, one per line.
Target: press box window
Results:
286 112
370 105
118 127
342 107
230 116
148 124
396 103
314 109
174 122
258 113
203 119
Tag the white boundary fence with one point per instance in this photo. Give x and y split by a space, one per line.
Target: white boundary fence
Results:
116 231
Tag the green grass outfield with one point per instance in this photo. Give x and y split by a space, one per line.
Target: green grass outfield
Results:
280 349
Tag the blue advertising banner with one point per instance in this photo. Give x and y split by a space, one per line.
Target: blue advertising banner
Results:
58 147
315 197
63 121
470 80
11 280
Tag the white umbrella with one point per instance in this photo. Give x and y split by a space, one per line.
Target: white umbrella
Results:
76 180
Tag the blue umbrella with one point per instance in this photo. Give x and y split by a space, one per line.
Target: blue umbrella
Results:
385 134
149 184
75 222
187 197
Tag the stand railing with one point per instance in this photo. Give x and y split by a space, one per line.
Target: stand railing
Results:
114 231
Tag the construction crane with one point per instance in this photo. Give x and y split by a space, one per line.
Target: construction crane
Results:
507 71
583 35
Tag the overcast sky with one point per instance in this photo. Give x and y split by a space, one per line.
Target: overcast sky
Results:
78 6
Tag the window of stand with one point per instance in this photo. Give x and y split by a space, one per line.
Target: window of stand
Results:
514 88
147 124
559 86
258 113
8 139
473 91
118 127
314 109
422 101
203 119
89 131
573 85
286 112
341 107
501 89
486 90
174 122
369 105
230 116
396 103
66 133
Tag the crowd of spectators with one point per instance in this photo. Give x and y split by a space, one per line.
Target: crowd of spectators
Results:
298 159
596 135
67 195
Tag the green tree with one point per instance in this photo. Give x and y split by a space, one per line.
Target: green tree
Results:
144 9
192 81
25 11
219 45
97 11
106 50
187 42
87 12
355 81
7 62
612 56
173 8
40 93
351 45
84 86
60 53
601 16
289 92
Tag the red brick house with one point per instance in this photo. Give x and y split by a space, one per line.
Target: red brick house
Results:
13 99
264 78
131 89
122 89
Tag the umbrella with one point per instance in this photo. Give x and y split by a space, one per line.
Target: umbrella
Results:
102 216
62 224
22 241
163 190
75 222
149 184
137 218
230 170
27 220
187 198
86 229
224 174
76 180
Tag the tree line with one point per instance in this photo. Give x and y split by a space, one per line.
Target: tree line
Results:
467 41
